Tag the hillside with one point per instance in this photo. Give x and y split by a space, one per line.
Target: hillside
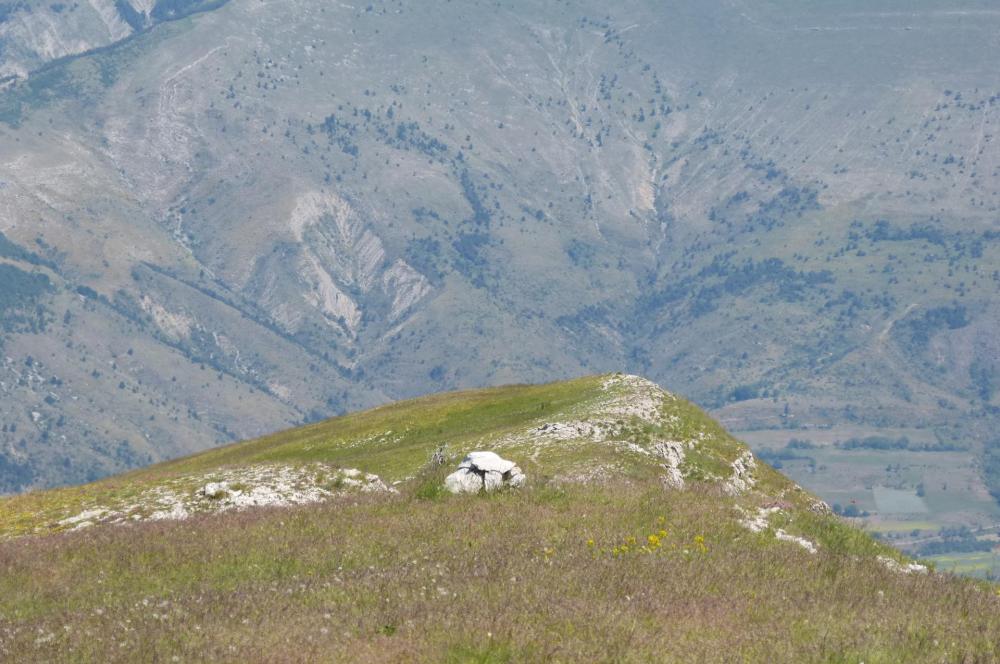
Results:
264 214
36 35
644 532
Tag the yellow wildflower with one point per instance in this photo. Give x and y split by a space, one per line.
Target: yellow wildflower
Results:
662 534
653 540
590 543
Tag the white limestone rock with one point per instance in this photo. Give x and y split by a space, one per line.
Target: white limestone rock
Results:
484 471
672 453
464 480
215 490
908 568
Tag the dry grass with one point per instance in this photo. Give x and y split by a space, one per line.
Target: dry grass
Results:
423 577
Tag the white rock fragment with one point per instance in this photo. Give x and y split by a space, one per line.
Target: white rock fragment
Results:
215 490
567 431
484 471
233 489
672 453
173 512
742 479
801 541
820 507
85 518
464 480
908 568
758 523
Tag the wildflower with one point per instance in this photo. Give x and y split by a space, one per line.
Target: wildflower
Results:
630 541
699 541
653 541
662 520
590 543
662 534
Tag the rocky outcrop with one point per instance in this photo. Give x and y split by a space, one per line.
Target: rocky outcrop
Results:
902 568
742 479
672 453
760 522
265 485
484 471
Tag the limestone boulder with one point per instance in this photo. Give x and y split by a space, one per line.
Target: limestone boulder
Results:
484 471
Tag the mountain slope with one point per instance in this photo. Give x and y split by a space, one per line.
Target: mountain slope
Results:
34 34
644 532
292 210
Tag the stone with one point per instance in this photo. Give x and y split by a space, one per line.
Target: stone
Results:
215 490
463 480
484 471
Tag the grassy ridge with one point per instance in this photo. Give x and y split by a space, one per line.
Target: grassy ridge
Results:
393 441
506 578
403 432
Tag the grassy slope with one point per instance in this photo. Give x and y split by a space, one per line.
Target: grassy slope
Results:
395 441
607 281
536 575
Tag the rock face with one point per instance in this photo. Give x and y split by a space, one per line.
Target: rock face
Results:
484 471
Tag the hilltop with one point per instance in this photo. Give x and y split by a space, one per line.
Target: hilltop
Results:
222 219
644 531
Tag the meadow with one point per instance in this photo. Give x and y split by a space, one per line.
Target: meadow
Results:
645 533
617 573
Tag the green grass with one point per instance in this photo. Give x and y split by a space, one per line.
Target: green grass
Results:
417 426
954 492
896 501
502 578
904 526
978 563
618 569
395 442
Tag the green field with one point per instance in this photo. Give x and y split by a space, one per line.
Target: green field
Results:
980 564
954 493
898 501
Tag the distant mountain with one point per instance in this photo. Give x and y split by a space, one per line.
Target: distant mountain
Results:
34 34
262 214
642 531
